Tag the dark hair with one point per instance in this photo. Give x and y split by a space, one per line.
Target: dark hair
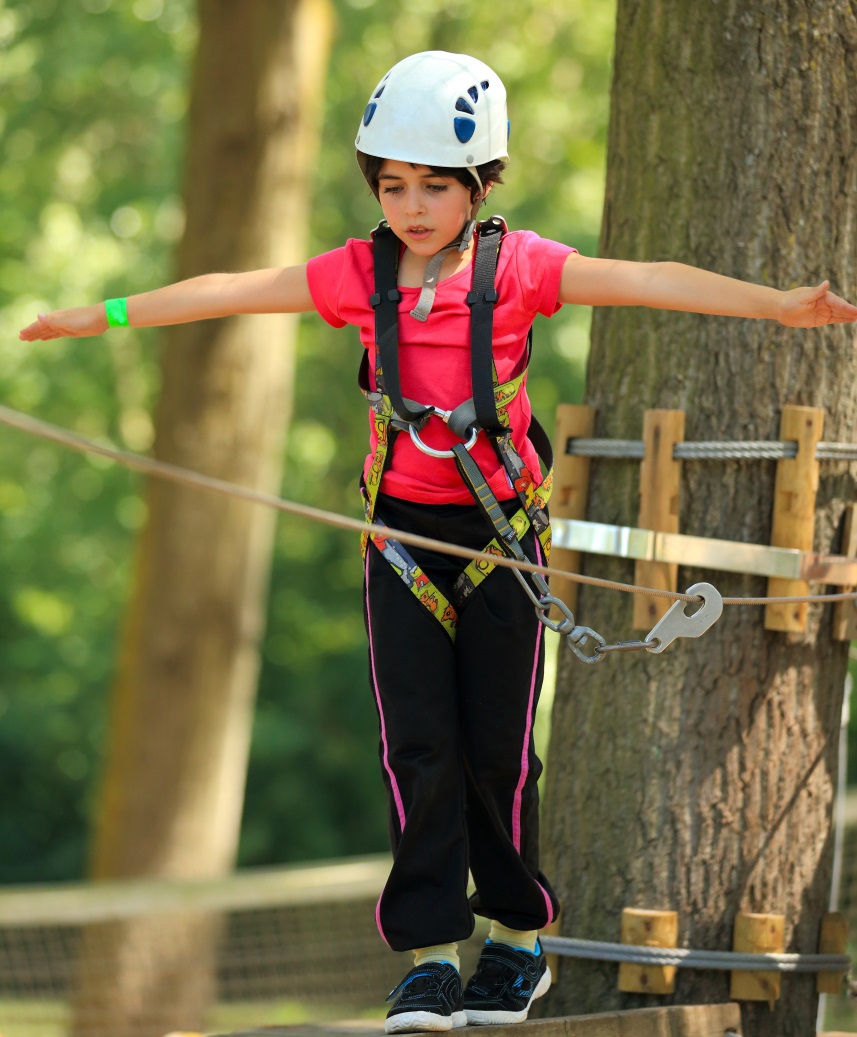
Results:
489 172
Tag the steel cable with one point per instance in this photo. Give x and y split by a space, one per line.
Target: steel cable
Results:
175 473
692 959
716 450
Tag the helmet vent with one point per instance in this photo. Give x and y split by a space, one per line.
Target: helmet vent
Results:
474 93
370 111
462 105
484 84
380 90
464 129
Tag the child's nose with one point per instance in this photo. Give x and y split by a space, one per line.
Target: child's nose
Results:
413 203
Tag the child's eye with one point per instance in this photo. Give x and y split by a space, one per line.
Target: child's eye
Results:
391 190
437 187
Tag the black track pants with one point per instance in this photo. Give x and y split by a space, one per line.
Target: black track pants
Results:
456 738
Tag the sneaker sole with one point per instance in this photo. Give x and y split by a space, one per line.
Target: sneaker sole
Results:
476 1018
418 1022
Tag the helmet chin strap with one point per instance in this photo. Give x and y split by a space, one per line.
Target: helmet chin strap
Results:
479 201
432 271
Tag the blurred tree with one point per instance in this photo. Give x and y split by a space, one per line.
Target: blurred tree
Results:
702 780
183 699
91 126
94 95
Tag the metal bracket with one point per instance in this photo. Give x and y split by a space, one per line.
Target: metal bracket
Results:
703 552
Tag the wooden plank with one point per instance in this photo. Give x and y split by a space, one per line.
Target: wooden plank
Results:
757 934
553 928
668 1021
793 522
660 491
648 929
570 492
832 939
845 612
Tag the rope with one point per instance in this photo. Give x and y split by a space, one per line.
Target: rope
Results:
716 450
690 959
175 473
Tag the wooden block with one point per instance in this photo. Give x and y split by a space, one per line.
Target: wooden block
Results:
845 612
832 939
660 490
554 928
757 934
570 492
648 929
793 522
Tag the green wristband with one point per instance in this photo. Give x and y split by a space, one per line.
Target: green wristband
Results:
117 313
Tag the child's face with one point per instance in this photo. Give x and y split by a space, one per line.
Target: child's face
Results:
424 210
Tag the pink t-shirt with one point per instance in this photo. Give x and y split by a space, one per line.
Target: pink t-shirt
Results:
434 356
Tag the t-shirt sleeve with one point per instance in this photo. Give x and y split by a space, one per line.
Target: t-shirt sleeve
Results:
539 262
325 275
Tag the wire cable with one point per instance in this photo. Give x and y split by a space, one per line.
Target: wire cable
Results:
32 426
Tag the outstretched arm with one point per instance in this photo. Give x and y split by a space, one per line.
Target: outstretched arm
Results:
278 290
674 286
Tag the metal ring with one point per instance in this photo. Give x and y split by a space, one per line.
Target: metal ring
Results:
420 445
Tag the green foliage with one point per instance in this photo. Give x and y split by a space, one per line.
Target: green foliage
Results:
92 134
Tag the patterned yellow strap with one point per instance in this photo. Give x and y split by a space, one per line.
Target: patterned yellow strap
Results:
432 599
418 583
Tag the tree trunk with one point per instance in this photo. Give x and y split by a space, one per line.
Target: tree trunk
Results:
702 779
183 699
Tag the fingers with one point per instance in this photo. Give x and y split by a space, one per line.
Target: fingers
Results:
77 322
840 310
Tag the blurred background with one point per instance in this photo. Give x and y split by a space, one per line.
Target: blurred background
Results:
93 129
93 134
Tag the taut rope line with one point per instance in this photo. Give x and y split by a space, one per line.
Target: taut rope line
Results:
175 473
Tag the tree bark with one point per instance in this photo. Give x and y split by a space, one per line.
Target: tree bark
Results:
185 687
702 780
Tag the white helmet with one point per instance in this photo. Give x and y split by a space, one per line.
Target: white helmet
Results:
436 109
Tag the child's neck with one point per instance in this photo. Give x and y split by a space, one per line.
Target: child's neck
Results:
412 266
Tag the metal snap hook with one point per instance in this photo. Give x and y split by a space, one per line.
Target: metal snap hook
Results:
677 623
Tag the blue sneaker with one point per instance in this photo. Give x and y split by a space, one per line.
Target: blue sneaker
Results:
505 984
428 998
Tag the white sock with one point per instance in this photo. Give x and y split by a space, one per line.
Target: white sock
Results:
438 952
521 939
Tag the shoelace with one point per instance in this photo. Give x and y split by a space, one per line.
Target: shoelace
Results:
490 976
420 982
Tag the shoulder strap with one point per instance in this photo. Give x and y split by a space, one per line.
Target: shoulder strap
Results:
385 302
481 299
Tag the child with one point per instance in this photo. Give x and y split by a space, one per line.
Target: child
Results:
455 657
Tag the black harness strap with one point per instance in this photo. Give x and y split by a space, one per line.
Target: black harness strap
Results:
481 299
385 302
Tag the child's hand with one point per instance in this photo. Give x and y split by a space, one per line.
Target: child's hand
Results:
74 323
813 307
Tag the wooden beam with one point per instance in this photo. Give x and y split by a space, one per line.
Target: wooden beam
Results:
832 939
757 934
794 510
570 492
660 491
845 612
648 929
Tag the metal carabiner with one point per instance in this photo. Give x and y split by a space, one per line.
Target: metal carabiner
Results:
420 445
576 636
581 636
